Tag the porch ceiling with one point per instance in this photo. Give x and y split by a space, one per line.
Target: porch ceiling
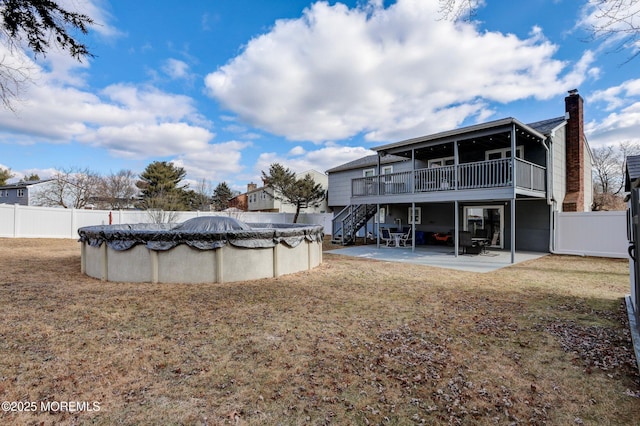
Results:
481 139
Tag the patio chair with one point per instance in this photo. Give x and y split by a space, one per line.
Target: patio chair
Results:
407 239
467 244
386 237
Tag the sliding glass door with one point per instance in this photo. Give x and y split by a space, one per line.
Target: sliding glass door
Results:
485 222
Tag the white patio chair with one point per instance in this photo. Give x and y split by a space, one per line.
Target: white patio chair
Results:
386 237
407 239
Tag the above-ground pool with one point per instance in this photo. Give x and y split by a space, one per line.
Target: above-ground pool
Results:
201 250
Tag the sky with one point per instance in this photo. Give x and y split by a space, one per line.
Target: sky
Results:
225 88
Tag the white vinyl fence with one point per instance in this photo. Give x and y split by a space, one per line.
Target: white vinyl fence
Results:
602 234
49 222
583 234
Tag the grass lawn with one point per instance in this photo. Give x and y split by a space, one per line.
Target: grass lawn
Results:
353 341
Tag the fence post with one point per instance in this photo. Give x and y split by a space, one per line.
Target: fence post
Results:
73 222
16 220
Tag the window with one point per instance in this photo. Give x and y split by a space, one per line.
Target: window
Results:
439 162
417 216
497 154
20 192
368 172
387 170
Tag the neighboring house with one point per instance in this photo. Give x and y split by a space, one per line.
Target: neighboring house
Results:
262 200
467 179
240 201
23 193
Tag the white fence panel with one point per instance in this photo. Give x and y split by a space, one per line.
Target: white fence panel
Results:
592 234
50 222
7 220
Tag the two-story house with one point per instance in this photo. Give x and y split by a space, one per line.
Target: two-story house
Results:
500 180
24 193
261 199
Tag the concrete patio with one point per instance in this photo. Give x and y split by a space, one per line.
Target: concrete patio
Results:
439 256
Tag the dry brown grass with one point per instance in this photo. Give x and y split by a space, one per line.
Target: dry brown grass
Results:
352 342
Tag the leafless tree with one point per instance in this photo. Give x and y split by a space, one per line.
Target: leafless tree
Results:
117 190
37 26
13 78
609 164
455 10
202 196
164 207
69 188
617 21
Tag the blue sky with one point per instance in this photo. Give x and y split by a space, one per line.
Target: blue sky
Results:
225 88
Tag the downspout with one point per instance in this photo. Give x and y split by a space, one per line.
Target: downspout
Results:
550 201
513 199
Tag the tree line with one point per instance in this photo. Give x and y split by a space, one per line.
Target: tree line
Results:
160 188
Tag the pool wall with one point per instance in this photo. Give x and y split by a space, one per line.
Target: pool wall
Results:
227 262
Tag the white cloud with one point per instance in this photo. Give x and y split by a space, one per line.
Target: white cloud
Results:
127 120
176 69
214 162
327 157
623 121
389 73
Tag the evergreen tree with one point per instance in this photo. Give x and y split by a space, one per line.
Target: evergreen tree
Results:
221 196
33 177
302 193
5 175
160 187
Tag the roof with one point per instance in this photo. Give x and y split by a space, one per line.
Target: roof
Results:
461 131
632 173
539 128
24 184
546 127
368 161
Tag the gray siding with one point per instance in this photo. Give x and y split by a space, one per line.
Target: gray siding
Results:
532 225
340 182
10 196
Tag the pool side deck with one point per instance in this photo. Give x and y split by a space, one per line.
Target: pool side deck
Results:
439 256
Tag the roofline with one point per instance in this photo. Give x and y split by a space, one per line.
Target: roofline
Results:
460 131
24 184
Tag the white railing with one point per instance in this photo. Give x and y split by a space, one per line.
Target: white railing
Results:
530 176
481 174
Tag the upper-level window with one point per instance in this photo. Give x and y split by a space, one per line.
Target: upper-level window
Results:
496 154
385 170
21 192
439 162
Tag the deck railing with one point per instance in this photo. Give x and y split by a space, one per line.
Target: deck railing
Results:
482 174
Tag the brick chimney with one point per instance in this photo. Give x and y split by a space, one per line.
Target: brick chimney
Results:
251 186
574 198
